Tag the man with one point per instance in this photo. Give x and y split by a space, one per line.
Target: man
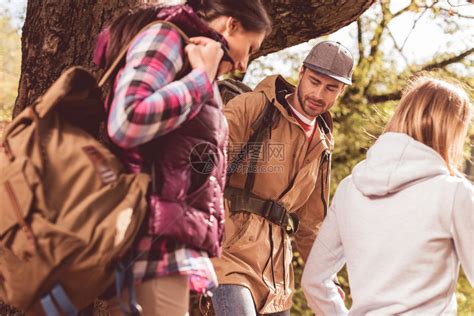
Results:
281 188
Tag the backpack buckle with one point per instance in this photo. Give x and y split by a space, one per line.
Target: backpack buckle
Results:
271 214
268 209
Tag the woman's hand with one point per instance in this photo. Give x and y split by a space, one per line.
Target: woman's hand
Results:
206 54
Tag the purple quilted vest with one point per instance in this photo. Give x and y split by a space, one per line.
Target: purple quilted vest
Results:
186 203
190 167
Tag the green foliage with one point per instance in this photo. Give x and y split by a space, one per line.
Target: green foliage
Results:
10 62
465 296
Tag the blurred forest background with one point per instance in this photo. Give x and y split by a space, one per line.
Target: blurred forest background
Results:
391 41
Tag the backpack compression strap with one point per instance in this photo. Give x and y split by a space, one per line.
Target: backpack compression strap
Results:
61 298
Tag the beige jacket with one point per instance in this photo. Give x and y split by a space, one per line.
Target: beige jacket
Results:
257 254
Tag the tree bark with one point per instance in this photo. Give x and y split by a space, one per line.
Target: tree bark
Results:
56 35
298 21
60 33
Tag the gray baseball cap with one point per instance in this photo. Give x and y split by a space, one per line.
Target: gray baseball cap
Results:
331 59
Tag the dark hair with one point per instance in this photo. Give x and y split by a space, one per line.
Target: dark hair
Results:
126 26
250 13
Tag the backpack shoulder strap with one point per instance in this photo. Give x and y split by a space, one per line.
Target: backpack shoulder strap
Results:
230 88
265 121
325 122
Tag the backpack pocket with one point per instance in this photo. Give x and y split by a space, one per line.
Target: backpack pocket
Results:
16 196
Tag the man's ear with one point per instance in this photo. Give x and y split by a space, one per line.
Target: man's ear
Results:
301 73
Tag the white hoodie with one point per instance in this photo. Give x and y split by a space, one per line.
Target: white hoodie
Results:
403 225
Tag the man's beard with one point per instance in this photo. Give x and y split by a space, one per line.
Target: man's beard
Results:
299 95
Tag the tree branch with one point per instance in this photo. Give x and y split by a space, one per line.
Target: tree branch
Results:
452 12
448 61
460 5
405 9
386 17
396 95
448 11
360 42
375 44
384 97
416 22
398 48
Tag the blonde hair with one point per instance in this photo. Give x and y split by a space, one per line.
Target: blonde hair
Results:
437 113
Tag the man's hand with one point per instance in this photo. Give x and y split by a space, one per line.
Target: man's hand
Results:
206 54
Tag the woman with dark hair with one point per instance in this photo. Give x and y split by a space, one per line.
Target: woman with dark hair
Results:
165 117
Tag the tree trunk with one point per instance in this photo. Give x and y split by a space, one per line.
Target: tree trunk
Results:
61 33
56 35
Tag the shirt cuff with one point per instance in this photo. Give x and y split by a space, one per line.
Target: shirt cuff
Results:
201 86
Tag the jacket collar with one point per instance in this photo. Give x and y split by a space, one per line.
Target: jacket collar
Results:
275 88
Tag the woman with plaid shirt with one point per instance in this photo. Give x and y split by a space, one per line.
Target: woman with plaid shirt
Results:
155 114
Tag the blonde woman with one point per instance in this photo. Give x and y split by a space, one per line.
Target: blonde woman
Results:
404 220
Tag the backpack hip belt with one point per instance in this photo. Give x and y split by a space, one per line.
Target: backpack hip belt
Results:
268 209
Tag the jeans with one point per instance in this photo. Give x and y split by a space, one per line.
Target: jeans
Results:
236 300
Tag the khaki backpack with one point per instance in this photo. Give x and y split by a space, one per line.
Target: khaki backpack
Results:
69 211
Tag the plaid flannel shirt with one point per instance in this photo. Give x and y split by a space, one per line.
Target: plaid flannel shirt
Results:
148 102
